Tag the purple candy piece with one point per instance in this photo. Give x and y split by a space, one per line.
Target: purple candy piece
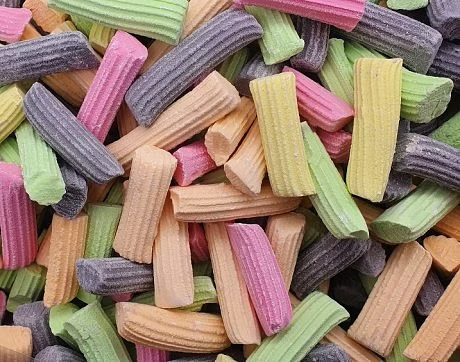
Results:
59 354
447 63
444 16
11 3
327 353
372 262
429 295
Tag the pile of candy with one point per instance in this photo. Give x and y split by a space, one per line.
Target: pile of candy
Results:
229 180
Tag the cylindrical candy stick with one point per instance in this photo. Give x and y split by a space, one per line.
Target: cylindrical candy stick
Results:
100 37
15 343
446 63
59 314
198 243
232 66
445 253
115 195
148 354
337 144
11 110
406 334
406 4
12 23
372 262
449 224
47 19
9 151
11 3
7 278
444 15
3 298
327 352
430 293
125 120
58 354
448 132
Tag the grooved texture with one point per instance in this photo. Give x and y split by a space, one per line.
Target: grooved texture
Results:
11 3
232 66
27 286
449 225
47 19
100 37
444 15
12 23
406 334
430 293
58 354
373 260
59 314
447 63
15 343
327 353
9 151
147 354
11 110
445 253
198 243
448 133
337 144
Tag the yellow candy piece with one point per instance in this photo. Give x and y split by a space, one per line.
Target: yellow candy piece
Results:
11 111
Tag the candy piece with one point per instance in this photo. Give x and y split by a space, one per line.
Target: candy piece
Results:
44 249
211 100
237 311
232 66
224 358
425 128
429 295
314 229
448 133
214 177
449 225
15 343
445 253
324 259
58 354
98 192
13 21
399 185
147 354
337 144
444 16
202 269
415 214
223 137
10 3
327 352
68 137
115 195
9 151
153 327
372 262
377 126
42 178
125 120
406 4
11 110
47 19
59 314
332 201
198 243
174 73
446 63
120 65
204 293
3 299
66 246
27 287
406 334
35 316
151 174
378 324
100 37
95 335
7 279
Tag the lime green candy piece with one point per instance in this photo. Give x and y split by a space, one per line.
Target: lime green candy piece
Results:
315 228
202 269
280 40
82 24
42 177
368 282
9 151
414 215
115 195
449 132
204 293
232 66
7 279
95 335
59 314
313 318
332 201
407 5
27 286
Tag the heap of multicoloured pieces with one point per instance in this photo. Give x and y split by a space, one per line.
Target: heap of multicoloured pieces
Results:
170 243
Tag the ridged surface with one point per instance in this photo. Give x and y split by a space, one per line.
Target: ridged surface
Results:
178 331
384 312
167 79
204 292
162 19
314 229
11 110
327 353
222 202
406 334
445 253
313 318
211 100
3 298
377 86
67 244
120 65
100 37
198 243
444 15
324 259
7 278
232 66
96 337
373 260
82 24
125 120
47 19
108 276
27 287
279 123
68 137
115 195
447 63
15 343
430 293
337 144
12 23
9 151
49 54
42 177
98 192
59 314
449 225
148 354
332 201
237 312
58 354
17 219
448 132
11 3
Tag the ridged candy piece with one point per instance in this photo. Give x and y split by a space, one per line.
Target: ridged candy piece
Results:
100 37
47 19
448 132
13 21
9 151
58 354
444 16
372 262
115 195
120 65
406 4
377 104
42 177
174 73
314 229
198 243
3 298
406 334
449 224
173 330
11 3
232 66
429 295
446 63
15 343
7 279
148 354
337 144
49 54
445 253
27 287
68 137
389 303
159 19
17 219
327 353
59 314
125 120
11 110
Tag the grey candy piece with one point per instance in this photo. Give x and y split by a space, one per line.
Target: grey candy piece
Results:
427 158
109 276
198 53
327 353
36 317
424 128
447 63
397 36
316 37
68 137
373 260
444 16
429 294
324 259
11 3
59 354
49 54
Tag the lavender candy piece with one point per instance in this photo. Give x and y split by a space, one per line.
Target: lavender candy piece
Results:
68 137
36 317
447 63
58 354
327 353
427 158
324 259
315 36
444 16
429 295
372 262
54 53
198 53
11 3
110 276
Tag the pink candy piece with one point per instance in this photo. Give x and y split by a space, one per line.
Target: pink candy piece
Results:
147 354
17 219
12 23
2 305
198 243
343 14
193 161
318 106
262 276
121 63
119 298
337 144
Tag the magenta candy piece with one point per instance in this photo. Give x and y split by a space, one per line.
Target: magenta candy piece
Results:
12 23
198 243
3 299
148 354
125 297
337 144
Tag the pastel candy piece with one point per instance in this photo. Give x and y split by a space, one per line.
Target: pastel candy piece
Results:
148 354
372 261
425 157
15 343
59 314
121 63
47 19
446 63
100 37
32 59
314 229
9 151
198 243
449 225
347 290
36 317
115 195
429 295
11 110
231 67
407 4
397 36
10 3
445 253
448 132
262 275
58 354
324 259
406 334
68 137
328 353
3 299
27 286
7 278
108 276
167 79
17 219
444 15
337 144
13 21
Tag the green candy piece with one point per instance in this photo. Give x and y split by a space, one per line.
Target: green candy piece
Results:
82 24
414 215
407 5
313 318
280 40
231 67
368 282
204 293
314 229
27 286
115 195
9 151
59 314
214 177
7 279
449 132
202 269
